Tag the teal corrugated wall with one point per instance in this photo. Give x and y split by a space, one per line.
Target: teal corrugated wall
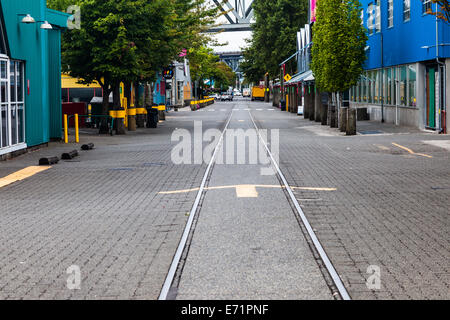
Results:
40 49
54 84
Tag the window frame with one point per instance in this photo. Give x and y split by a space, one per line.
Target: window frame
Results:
406 10
425 3
390 14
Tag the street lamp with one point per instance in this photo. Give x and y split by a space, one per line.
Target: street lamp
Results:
27 19
45 25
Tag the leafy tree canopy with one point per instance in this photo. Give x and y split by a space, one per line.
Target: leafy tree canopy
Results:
339 40
274 36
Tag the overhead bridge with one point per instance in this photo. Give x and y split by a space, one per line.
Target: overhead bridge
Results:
238 13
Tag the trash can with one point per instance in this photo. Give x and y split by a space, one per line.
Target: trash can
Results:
152 118
283 105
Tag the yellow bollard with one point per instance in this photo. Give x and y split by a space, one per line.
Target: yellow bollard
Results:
125 107
89 119
66 131
77 129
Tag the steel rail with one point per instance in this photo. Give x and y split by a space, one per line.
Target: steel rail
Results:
331 270
187 230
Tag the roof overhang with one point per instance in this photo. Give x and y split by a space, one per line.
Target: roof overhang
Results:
57 18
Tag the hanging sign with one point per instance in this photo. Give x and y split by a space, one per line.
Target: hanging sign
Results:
287 77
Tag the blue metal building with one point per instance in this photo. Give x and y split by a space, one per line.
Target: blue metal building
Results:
408 59
30 74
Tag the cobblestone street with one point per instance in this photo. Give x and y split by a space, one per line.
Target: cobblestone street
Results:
119 212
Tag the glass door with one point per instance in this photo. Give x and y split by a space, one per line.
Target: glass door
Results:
5 128
431 98
12 103
16 102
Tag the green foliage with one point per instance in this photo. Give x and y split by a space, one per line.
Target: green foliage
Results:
205 65
274 36
339 40
223 75
60 5
129 40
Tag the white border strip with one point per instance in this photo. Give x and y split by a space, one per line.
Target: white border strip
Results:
337 280
187 230
13 148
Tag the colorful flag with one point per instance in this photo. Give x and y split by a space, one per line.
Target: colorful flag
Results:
183 53
313 10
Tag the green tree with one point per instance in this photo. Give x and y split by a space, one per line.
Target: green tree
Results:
125 40
274 36
252 66
223 75
339 40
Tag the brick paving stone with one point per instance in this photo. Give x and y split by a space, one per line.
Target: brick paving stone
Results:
388 209
102 211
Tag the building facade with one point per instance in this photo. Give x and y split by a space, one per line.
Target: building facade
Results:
408 60
30 74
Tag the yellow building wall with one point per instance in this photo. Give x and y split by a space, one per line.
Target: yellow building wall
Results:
67 82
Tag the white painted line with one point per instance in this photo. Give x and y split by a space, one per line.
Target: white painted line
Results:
333 273
187 229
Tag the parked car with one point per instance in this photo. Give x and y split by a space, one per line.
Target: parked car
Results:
238 94
216 96
226 97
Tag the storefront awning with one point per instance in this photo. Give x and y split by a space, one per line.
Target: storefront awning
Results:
305 76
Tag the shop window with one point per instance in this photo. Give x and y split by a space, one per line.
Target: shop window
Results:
179 90
388 86
412 100
394 86
403 95
357 92
376 96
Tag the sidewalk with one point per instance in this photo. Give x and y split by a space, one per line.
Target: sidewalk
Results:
101 211
390 209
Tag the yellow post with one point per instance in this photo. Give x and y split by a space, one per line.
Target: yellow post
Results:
125 107
287 102
77 131
89 119
66 131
